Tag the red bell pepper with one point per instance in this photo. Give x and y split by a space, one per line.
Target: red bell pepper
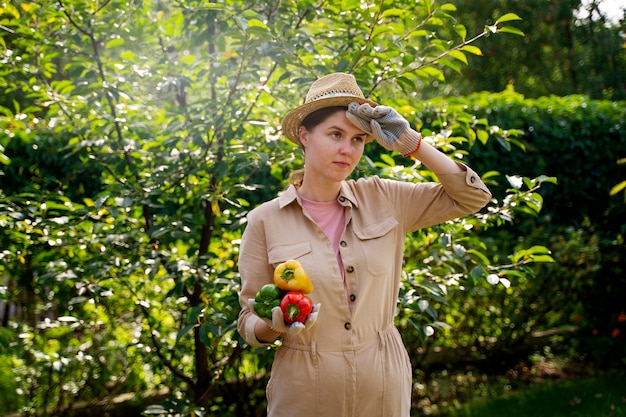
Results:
296 307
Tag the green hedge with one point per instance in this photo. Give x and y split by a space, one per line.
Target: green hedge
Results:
579 141
573 138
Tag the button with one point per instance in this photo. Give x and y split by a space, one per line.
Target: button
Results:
352 297
343 243
348 325
350 269
342 199
472 179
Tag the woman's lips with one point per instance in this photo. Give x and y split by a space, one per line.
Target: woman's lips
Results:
342 164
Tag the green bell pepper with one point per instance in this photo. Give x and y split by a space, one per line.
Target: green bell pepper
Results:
266 299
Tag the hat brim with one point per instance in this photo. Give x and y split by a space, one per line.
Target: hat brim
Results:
293 119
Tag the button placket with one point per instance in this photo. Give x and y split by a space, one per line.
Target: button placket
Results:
349 277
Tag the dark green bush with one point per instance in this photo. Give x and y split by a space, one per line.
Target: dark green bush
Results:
578 141
573 138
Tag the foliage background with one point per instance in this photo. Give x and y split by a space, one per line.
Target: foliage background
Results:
137 135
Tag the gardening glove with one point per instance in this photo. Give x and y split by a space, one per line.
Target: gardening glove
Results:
389 129
278 320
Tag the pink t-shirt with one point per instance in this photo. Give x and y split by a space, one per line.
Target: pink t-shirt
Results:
329 216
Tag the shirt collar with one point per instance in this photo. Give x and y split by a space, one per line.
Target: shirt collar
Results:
346 196
288 196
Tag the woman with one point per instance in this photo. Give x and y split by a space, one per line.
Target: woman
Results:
348 358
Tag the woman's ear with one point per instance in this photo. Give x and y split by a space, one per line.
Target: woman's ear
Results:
303 135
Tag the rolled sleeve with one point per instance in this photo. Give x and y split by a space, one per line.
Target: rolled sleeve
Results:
467 189
246 324
420 205
255 272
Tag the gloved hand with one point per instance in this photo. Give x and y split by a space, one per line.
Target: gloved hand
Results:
278 320
389 129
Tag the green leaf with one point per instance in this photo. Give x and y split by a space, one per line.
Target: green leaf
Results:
504 143
9 8
203 334
407 85
243 23
510 29
127 55
461 31
535 200
513 273
437 298
448 7
542 258
188 59
476 272
430 310
388 159
184 331
472 50
490 174
393 12
450 64
545 178
421 333
441 325
193 314
419 33
6 111
537 249
508 17
381 29
256 23
459 55
483 136
114 42
617 188
434 73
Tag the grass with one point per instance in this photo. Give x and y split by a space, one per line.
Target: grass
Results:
602 396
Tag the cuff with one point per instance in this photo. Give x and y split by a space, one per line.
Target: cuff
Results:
250 334
408 143
473 179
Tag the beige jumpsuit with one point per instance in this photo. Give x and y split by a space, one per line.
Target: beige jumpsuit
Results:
352 362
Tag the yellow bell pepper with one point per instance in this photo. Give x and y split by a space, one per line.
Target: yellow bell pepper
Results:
291 276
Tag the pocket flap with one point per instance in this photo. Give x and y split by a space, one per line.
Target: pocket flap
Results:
377 229
281 253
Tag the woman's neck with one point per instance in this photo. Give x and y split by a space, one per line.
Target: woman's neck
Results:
318 192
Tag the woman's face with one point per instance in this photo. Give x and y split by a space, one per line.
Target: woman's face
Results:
333 148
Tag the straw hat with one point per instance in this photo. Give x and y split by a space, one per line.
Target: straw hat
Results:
338 89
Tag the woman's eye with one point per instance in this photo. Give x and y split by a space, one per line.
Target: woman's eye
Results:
358 139
336 135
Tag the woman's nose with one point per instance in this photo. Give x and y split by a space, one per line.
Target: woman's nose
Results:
346 146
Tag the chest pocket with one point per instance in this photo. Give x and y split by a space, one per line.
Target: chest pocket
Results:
378 241
284 252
